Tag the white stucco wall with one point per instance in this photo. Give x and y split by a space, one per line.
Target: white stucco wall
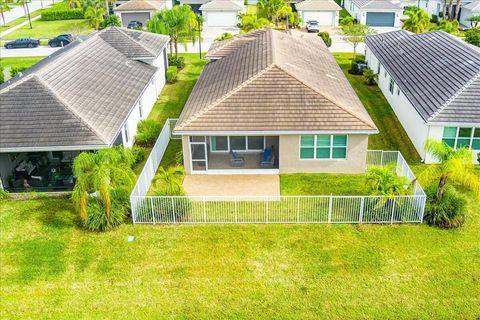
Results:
429 6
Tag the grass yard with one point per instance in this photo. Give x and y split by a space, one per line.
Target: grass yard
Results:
392 136
51 268
18 62
17 21
49 29
323 184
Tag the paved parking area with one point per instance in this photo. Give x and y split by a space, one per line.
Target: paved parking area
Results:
232 185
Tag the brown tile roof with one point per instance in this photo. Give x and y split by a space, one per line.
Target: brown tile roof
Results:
314 5
220 5
145 5
272 81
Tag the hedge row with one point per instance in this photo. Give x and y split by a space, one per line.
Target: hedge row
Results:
69 14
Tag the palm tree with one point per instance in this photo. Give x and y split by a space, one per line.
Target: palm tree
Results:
177 22
251 22
24 4
457 9
384 181
273 8
417 22
170 181
99 173
454 165
4 7
95 16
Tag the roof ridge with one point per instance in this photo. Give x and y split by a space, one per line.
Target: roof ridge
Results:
454 96
224 97
67 106
131 39
328 98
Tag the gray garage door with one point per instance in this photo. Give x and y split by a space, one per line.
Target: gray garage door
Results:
137 16
381 19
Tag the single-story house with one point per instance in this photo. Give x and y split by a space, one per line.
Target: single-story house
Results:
469 10
139 10
375 13
432 7
87 96
222 13
273 102
432 82
325 12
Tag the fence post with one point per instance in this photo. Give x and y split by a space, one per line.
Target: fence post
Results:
381 158
173 211
298 209
204 209
151 210
362 204
424 199
133 205
266 204
330 204
393 211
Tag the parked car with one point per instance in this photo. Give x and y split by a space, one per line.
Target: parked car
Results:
61 40
22 43
134 25
312 26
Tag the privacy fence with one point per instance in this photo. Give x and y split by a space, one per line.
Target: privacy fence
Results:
278 209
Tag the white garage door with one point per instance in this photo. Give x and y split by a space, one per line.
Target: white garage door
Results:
324 18
222 19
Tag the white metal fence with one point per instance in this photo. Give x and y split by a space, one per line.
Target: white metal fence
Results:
280 209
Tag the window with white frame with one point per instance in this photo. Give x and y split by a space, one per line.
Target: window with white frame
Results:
457 137
323 147
247 143
219 144
125 129
140 108
391 86
378 68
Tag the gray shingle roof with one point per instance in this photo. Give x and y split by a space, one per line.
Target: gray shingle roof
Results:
140 5
218 5
273 81
437 72
376 5
91 86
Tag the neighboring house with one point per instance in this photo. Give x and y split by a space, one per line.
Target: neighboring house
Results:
139 10
222 13
273 102
325 12
469 10
87 96
432 82
375 13
432 7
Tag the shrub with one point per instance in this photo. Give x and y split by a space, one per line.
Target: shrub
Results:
4 194
472 36
172 74
347 20
111 20
97 219
178 62
62 14
148 131
369 76
224 36
434 18
326 38
138 153
2 75
448 212
353 68
15 70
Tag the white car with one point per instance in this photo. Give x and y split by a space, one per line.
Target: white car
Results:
312 26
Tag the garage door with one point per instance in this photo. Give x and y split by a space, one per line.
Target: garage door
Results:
222 19
324 18
381 19
138 16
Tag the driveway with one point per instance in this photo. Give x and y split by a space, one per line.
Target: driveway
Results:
41 51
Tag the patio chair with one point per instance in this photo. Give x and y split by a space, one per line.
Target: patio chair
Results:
236 161
268 158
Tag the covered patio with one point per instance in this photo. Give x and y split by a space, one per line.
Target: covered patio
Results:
232 185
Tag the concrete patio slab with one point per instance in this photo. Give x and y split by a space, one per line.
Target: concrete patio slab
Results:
232 185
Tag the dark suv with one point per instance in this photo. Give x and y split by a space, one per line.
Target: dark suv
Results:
22 43
61 40
134 25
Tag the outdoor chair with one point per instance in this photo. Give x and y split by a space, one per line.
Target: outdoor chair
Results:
236 161
268 158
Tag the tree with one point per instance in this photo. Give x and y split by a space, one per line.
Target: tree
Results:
273 8
170 181
472 36
418 20
24 4
384 181
251 22
111 20
326 38
454 165
100 173
177 22
457 9
4 7
356 33
448 26
95 15
474 21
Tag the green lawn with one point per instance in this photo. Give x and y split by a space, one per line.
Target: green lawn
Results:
49 29
323 184
17 21
53 269
22 62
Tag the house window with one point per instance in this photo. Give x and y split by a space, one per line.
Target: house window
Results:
323 147
378 68
255 143
398 90
125 129
243 143
385 73
391 87
457 137
140 108
219 143
238 143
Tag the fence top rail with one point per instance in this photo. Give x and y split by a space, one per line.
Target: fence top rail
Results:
273 197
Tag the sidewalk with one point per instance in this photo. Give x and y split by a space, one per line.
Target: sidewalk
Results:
17 11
